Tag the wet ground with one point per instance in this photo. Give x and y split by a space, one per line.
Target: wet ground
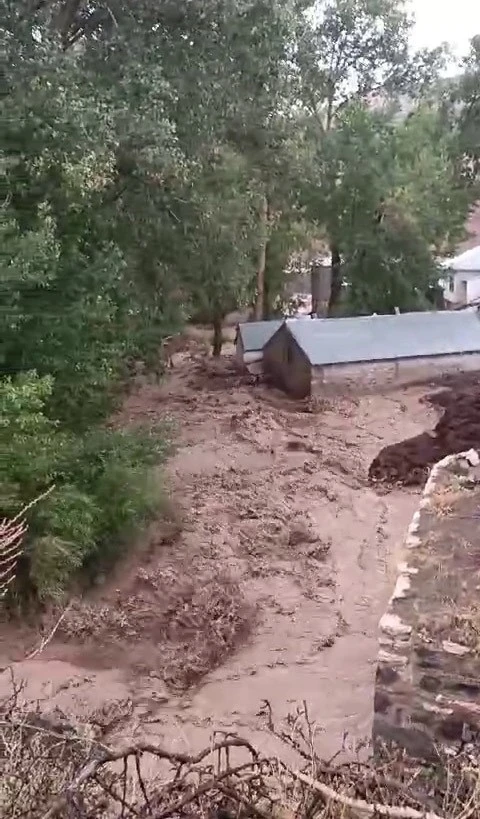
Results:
269 584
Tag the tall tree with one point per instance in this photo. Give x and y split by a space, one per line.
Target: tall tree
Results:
397 202
218 227
353 51
462 103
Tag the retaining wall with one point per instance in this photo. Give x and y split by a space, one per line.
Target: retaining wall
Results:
427 689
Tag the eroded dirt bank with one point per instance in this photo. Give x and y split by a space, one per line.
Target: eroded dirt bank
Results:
283 549
408 462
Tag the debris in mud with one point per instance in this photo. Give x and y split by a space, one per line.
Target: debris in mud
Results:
302 445
222 374
302 532
187 627
325 642
51 769
408 462
243 493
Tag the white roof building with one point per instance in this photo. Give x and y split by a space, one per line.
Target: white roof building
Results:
461 285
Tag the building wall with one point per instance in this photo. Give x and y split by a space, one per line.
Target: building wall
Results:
466 287
370 376
286 365
427 689
239 350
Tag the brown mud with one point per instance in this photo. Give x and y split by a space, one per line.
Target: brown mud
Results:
408 463
267 583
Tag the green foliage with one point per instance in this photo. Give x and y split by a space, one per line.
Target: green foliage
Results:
73 267
386 189
103 485
220 232
394 203
461 105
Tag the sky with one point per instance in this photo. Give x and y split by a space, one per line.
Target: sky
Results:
452 21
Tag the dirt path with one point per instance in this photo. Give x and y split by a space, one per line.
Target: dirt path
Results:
282 535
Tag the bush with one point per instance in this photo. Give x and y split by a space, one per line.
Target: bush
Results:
104 486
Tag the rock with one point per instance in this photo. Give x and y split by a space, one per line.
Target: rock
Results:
455 648
393 626
472 457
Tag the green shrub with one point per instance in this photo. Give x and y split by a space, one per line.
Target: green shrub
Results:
104 483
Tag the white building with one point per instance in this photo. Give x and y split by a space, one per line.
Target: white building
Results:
461 283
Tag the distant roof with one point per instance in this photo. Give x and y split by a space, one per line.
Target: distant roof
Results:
255 334
386 338
467 262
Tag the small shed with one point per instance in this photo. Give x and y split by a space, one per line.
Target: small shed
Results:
252 336
461 284
305 357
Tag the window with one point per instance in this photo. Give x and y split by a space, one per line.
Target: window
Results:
451 283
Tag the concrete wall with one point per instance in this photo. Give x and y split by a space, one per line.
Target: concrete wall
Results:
286 365
384 374
427 690
466 287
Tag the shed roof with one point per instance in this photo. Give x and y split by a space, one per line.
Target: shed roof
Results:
255 334
386 338
466 262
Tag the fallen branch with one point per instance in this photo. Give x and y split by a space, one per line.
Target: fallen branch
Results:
49 636
360 806
90 770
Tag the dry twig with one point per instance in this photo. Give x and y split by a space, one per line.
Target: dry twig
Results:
49 636
360 806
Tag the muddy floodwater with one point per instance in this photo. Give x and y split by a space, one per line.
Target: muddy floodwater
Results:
272 501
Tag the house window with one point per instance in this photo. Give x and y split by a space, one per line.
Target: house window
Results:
451 283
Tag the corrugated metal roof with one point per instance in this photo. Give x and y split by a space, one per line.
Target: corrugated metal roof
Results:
255 334
383 338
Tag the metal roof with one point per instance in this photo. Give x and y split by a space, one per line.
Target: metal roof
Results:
255 334
386 338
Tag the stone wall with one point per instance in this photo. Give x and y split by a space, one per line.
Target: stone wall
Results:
427 689
369 376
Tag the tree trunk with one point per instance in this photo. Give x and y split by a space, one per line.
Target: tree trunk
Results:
217 336
267 307
336 286
262 262
267 312
320 289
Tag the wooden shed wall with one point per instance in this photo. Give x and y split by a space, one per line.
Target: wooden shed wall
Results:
287 365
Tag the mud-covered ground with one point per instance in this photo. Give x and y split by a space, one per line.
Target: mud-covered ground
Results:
408 462
267 582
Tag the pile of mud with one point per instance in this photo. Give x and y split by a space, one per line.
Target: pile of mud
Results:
408 462
221 374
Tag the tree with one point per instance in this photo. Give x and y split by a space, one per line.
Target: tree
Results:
397 202
462 110
71 301
218 227
353 52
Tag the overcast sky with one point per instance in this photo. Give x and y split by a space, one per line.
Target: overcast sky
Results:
452 21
